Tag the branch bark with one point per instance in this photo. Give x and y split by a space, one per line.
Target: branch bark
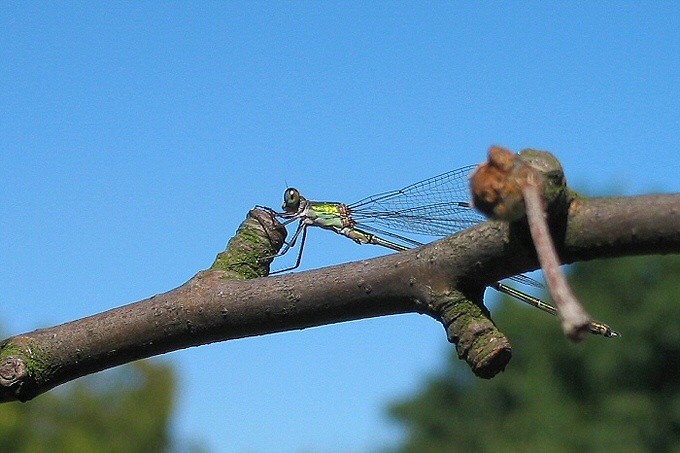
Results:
444 279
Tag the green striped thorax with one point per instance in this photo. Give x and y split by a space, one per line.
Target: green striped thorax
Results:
325 214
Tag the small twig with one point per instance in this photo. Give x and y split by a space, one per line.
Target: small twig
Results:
508 188
575 319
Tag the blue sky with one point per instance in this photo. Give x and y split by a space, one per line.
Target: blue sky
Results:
135 137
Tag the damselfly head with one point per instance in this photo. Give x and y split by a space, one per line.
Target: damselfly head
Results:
291 200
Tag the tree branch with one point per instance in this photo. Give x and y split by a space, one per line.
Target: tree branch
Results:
445 280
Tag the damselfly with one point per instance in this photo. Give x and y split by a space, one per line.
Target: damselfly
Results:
437 206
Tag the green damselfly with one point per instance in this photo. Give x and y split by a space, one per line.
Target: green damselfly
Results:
438 206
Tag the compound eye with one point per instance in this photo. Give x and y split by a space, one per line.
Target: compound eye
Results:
291 200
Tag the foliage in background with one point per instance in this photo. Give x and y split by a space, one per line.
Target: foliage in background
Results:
126 409
600 395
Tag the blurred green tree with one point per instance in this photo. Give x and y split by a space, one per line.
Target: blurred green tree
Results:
600 395
125 409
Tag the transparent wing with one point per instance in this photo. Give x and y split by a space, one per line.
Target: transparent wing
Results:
437 206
